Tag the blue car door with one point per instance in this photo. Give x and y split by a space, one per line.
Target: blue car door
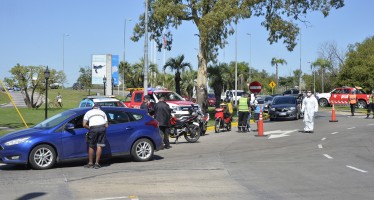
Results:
118 132
74 144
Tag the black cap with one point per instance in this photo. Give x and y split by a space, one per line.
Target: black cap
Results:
147 97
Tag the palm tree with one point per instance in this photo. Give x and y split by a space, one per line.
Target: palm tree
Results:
178 65
275 61
322 64
216 76
188 82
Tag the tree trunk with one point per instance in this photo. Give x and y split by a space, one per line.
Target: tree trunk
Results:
177 83
201 92
276 77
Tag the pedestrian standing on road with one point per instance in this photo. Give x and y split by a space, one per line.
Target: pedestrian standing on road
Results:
95 120
59 99
370 105
309 108
163 115
147 105
352 101
244 108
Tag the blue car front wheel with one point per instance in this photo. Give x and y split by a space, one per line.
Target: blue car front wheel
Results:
42 157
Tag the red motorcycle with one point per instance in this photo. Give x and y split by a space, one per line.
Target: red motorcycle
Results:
222 122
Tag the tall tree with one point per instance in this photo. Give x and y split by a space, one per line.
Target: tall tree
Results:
323 64
31 79
276 61
216 75
188 82
359 65
213 20
85 77
178 65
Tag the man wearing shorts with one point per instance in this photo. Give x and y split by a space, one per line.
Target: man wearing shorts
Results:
96 121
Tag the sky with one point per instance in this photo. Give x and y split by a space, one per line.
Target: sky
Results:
65 34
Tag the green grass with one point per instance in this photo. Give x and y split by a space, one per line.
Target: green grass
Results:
3 98
9 116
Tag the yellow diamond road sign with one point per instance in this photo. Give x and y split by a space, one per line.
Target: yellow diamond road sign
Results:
272 84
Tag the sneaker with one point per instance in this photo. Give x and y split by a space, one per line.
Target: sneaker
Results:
88 166
97 166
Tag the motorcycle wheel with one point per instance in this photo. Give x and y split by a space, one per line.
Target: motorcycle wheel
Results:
192 134
217 126
229 126
202 131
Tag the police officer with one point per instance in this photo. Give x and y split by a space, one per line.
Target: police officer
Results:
96 121
244 109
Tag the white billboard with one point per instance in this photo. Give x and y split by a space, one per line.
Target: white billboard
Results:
98 67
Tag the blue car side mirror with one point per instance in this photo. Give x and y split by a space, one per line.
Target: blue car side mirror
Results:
69 126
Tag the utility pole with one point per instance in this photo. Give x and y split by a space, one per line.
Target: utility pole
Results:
145 69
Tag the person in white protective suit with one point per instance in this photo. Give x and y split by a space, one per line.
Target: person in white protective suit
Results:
309 107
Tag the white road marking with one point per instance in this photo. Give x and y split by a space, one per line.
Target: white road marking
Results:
323 139
357 169
327 156
320 146
334 133
351 128
282 133
124 197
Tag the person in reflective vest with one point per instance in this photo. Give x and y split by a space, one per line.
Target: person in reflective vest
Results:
352 101
370 105
244 109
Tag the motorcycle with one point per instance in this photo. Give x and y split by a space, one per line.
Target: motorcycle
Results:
221 121
202 119
186 126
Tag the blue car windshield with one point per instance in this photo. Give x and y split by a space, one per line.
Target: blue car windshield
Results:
284 101
55 120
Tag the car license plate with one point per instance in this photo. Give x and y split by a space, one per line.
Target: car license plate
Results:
282 114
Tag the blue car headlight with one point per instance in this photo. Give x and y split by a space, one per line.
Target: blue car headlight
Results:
292 108
16 141
272 109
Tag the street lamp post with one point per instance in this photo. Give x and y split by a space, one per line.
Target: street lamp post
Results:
104 81
112 85
46 76
250 55
124 54
63 52
236 64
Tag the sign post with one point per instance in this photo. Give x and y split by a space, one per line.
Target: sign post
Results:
272 85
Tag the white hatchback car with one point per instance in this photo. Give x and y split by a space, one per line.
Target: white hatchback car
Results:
89 101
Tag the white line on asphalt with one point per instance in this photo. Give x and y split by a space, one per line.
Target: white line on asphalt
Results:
320 146
323 139
124 197
334 133
357 169
351 128
327 156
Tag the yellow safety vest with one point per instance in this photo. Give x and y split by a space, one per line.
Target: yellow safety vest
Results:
243 105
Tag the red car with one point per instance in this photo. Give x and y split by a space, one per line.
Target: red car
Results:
211 100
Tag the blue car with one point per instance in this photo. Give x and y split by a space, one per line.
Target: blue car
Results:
62 138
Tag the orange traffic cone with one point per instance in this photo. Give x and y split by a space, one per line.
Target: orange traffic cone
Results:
260 125
333 117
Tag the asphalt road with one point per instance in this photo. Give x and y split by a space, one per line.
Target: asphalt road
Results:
336 162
